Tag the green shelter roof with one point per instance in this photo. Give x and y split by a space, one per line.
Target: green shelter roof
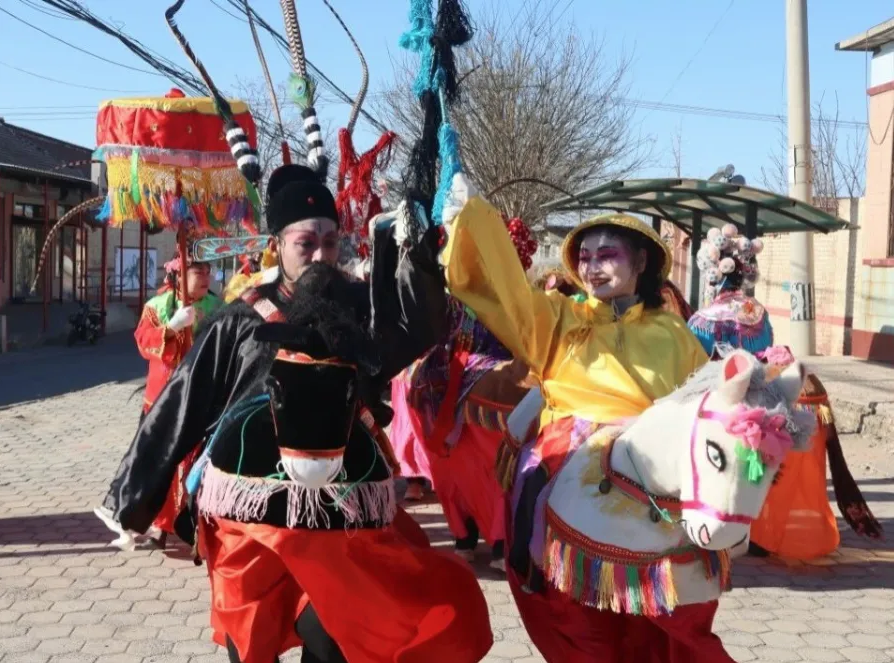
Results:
678 200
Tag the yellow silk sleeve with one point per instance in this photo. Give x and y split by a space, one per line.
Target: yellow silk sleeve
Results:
484 273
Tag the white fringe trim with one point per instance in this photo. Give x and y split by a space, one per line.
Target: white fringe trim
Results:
245 499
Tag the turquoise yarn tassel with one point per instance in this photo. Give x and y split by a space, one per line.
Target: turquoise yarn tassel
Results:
418 40
448 152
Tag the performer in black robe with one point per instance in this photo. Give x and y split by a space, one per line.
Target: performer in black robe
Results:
269 559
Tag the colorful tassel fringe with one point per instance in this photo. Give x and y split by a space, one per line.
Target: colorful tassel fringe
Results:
710 333
203 193
610 578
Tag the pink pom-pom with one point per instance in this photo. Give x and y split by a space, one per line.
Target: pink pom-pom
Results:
729 230
727 266
757 246
712 233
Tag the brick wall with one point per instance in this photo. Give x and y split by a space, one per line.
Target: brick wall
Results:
837 258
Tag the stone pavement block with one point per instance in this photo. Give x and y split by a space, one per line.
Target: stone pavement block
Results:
147 648
59 646
821 655
772 654
104 647
509 650
870 641
861 655
94 632
26 657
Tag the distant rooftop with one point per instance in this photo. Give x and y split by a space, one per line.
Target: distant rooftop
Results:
871 40
30 152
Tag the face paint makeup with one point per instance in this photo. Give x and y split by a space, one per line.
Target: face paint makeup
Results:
607 266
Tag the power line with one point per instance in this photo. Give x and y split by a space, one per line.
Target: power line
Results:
78 48
679 109
54 80
238 6
698 50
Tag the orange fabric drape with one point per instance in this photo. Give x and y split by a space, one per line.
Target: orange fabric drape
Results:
797 520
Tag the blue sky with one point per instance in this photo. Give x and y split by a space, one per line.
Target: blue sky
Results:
677 59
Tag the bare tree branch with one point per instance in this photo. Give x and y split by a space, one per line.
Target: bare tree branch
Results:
537 100
838 170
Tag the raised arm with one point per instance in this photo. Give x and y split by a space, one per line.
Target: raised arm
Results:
408 297
483 271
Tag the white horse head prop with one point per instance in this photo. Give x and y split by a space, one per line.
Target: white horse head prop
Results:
641 518
740 433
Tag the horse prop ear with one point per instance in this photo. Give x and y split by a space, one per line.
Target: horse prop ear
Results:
792 381
735 376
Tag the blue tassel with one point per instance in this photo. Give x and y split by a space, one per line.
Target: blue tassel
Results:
418 40
448 152
105 211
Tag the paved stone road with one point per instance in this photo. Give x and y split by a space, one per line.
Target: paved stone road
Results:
66 597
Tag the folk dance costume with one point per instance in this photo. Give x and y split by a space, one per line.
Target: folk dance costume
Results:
461 395
163 336
797 520
597 363
299 528
404 435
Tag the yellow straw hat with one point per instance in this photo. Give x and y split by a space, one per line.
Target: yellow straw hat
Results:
569 257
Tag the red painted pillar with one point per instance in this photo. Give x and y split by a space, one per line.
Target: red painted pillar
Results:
47 277
103 279
75 263
142 294
121 265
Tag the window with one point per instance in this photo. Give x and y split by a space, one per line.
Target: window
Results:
28 211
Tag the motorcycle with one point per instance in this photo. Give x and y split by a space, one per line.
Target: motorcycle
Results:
86 324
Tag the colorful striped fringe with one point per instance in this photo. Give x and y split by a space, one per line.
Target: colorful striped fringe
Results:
491 416
611 578
507 461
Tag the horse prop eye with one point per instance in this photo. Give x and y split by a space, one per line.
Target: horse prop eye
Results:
274 390
715 455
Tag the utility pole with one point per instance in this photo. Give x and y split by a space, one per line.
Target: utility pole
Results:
800 177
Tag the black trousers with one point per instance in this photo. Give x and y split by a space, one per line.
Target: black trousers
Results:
319 647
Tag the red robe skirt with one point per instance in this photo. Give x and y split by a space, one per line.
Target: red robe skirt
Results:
466 484
381 597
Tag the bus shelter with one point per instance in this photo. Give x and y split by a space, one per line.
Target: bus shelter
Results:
695 206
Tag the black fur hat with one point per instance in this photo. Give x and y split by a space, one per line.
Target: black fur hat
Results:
295 193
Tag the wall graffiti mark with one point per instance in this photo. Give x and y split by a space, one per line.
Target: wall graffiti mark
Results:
803 307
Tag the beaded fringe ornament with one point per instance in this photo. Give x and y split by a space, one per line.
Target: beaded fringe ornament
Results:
623 581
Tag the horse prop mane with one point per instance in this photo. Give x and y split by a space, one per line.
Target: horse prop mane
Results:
642 517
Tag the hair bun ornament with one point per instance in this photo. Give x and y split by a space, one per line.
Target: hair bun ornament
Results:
727 266
728 260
